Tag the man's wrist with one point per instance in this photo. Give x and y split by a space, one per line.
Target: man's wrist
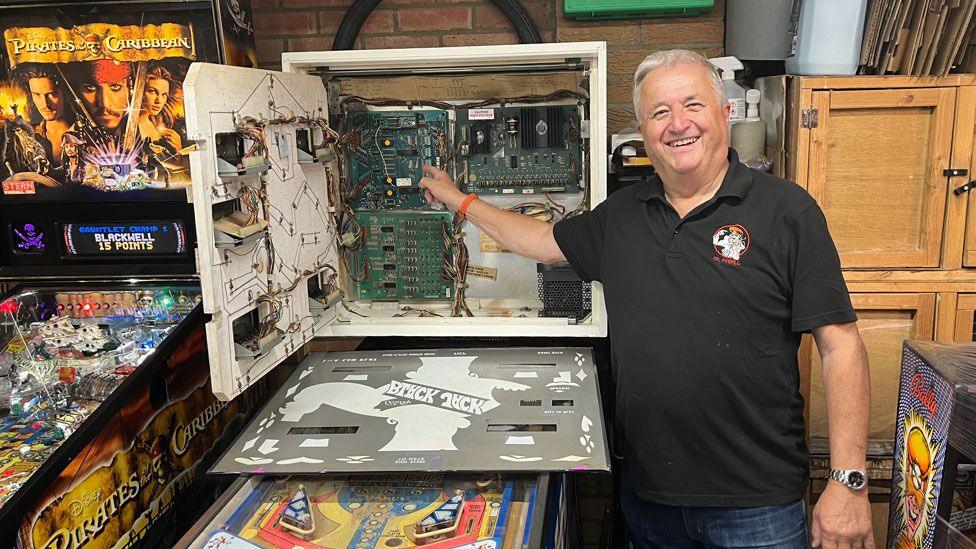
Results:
454 201
852 478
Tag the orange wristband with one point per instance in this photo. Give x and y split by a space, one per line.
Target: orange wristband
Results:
463 209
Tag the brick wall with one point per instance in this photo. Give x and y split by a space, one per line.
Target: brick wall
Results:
303 25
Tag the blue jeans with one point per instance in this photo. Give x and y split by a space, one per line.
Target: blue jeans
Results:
653 526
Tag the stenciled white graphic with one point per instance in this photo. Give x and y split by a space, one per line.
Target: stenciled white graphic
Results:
297 460
355 460
572 458
253 461
562 382
427 409
521 459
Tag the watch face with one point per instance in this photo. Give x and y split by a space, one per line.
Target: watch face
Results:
855 479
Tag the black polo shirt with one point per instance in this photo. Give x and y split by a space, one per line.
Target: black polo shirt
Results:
705 317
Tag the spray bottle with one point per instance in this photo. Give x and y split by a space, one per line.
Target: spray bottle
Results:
749 136
734 93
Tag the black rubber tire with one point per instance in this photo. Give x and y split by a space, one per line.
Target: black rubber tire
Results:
354 18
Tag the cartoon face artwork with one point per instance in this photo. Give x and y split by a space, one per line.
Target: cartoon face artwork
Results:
918 463
731 241
917 475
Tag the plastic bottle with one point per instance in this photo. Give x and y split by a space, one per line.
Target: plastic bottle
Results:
828 37
734 93
749 136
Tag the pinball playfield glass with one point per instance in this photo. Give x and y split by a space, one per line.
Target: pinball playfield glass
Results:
435 511
64 352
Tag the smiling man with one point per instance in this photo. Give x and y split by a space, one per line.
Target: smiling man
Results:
712 272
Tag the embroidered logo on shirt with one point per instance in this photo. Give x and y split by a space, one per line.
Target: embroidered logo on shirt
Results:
730 242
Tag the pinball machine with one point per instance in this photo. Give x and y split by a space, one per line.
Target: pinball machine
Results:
312 225
102 356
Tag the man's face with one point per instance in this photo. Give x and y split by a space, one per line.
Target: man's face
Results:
156 96
47 98
107 102
683 123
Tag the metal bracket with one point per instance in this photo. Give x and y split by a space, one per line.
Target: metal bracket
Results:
965 188
955 172
808 118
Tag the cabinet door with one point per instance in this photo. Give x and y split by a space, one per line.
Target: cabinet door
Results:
885 322
257 288
965 331
875 165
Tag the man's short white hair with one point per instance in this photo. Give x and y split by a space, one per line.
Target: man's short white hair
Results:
670 58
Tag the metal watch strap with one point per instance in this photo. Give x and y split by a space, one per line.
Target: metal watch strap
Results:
843 475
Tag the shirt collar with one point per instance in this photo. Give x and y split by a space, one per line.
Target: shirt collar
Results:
737 182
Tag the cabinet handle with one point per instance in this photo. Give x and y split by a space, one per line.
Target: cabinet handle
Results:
965 188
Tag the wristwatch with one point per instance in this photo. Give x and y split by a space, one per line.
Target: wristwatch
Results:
852 478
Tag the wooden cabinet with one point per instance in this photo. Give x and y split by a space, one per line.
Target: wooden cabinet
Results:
885 320
873 151
969 252
964 328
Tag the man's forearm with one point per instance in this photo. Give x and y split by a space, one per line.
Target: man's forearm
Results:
518 233
847 388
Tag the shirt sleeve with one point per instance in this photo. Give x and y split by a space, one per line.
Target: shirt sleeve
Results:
820 295
581 239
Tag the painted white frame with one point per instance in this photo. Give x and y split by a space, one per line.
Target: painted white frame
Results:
208 96
594 55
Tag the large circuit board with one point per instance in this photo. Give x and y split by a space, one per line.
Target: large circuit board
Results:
385 152
403 254
520 150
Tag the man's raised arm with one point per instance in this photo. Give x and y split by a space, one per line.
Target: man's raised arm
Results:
519 233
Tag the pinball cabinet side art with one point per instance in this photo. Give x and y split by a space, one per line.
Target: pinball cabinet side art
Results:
93 186
933 501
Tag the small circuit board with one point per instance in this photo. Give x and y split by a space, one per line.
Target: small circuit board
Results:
527 150
403 254
386 151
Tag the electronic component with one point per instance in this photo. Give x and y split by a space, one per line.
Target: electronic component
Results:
254 336
240 225
233 159
322 291
386 151
403 255
528 150
238 222
305 139
563 293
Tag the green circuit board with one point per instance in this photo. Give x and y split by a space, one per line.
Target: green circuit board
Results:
521 150
385 152
403 253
